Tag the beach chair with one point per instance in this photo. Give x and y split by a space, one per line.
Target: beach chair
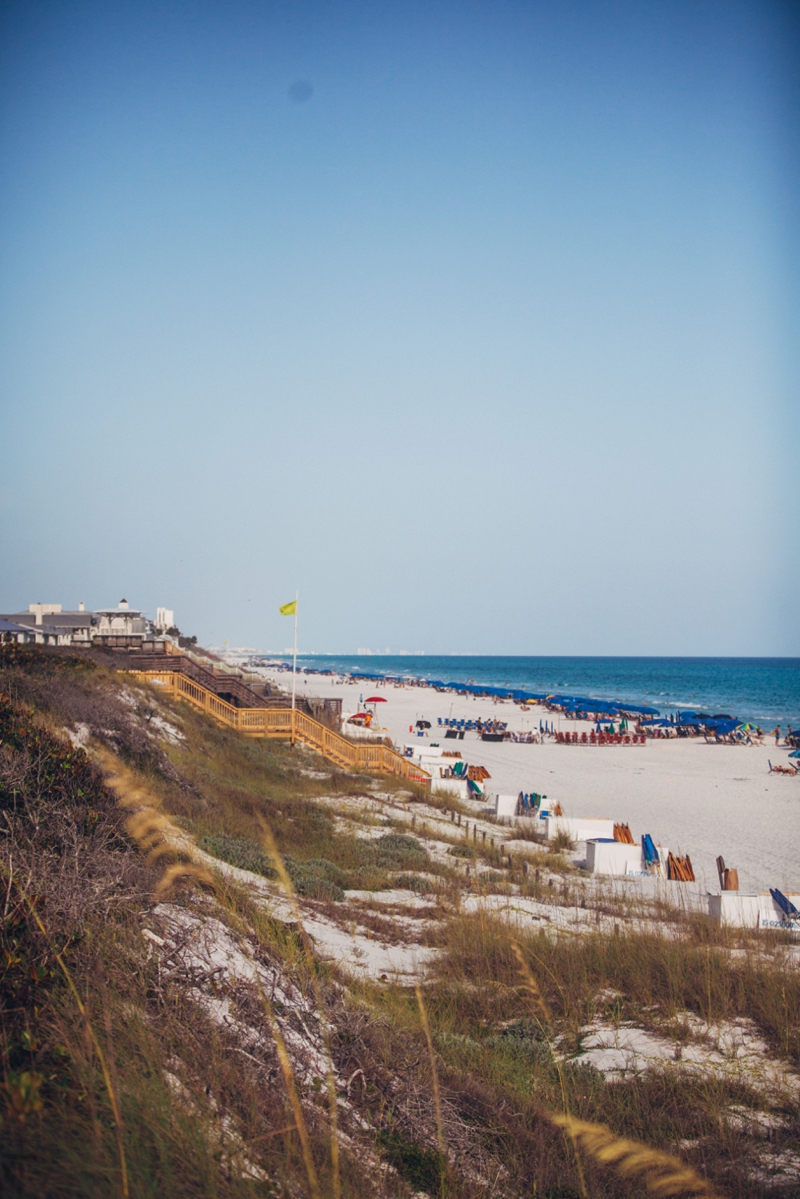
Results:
593 738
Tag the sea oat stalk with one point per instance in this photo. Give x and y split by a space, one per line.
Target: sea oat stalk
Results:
663 1174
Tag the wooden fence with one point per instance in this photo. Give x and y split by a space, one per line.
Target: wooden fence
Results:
286 724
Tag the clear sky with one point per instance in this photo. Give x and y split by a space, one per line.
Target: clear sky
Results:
476 322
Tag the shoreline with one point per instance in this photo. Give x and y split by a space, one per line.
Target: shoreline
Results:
629 694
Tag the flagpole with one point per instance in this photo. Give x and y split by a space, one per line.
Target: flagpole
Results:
294 661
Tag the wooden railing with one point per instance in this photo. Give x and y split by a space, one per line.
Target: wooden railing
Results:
286 724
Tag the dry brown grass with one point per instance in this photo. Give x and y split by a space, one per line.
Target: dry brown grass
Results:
162 842
470 1077
85 1061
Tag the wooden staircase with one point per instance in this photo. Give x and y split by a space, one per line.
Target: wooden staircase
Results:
286 724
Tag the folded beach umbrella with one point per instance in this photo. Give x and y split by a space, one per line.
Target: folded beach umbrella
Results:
649 849
786 905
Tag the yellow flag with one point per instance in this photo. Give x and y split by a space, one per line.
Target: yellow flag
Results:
289 609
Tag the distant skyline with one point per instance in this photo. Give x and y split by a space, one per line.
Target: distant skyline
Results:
476 323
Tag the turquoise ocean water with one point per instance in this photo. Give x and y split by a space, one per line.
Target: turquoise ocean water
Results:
765 691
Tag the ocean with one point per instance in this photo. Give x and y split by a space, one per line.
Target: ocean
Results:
765 691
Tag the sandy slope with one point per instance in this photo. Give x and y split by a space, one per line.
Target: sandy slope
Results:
697 798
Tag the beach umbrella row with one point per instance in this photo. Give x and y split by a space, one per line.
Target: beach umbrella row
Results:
572 705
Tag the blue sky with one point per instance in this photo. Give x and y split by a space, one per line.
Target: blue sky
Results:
487 345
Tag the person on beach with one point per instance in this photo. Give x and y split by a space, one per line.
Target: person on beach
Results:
777 733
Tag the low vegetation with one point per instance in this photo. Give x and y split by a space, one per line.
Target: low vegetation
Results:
168 1029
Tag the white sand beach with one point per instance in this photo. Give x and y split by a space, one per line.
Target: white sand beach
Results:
693 797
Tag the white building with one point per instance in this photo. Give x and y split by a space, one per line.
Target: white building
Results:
165 619
120 627
41 610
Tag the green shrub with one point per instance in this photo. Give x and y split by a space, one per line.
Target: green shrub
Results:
314 886
326 869
412 882
316 879
522 1039
394 851
421 1167
238 851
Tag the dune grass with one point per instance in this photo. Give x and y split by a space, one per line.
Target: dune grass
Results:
503 1066
462 1088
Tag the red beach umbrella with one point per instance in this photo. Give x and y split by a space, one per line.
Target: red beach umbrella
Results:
375 699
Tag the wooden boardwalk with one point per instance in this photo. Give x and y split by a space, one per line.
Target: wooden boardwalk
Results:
286 724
